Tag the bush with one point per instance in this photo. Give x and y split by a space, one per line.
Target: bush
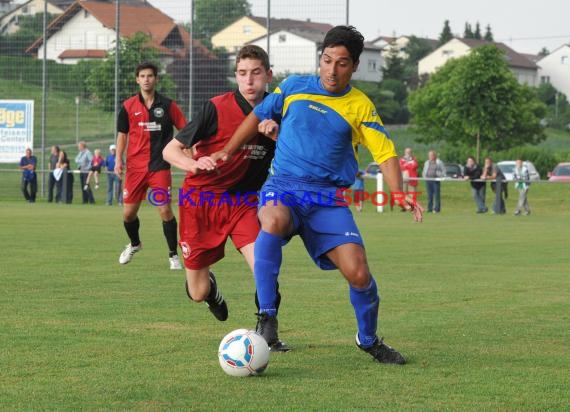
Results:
543 159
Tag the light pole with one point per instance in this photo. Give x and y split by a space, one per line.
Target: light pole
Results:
76 119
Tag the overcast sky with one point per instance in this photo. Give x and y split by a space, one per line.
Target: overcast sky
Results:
525 26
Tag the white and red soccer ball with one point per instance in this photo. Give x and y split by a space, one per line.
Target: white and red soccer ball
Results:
243 352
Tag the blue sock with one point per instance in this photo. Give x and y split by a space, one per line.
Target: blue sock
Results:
365 302
268 257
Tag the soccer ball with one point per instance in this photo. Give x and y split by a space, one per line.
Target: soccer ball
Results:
243 352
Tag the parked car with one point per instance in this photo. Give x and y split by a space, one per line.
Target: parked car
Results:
453 171
508 169
561 173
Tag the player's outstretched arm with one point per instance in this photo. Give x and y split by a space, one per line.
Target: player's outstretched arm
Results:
393 176
244 133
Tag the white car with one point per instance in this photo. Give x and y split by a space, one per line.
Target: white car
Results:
508 169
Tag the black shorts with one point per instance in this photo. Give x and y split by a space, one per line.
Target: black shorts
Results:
96 169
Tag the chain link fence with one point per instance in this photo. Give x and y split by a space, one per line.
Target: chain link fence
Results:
63 56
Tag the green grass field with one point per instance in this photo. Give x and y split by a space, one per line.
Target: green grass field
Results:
479 304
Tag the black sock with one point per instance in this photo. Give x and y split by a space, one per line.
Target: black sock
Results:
132 229
213 290
170 233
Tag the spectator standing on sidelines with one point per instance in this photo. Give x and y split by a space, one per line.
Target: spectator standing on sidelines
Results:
492 172
29 178
204 229
113 181
97 164
323 119
472 172
66 179
146 122
521 177
53 183
433 169
83 160
409 166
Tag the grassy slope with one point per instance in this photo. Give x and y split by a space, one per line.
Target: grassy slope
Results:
94 124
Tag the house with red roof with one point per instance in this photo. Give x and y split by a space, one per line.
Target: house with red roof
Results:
86 30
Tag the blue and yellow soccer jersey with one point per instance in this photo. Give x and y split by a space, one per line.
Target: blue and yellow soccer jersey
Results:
320 130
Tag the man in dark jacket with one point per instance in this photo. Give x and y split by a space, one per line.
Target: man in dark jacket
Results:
478 188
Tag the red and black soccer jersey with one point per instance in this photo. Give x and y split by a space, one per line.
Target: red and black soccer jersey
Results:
211 130
148 130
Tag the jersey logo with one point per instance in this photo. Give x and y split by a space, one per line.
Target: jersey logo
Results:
185 249
318 109
158 112
137 113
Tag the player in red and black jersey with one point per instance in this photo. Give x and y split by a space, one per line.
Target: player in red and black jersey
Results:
230 211
146 122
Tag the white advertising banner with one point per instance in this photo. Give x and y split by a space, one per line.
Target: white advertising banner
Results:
16 129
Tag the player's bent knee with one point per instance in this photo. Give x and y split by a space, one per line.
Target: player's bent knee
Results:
277 224
359 278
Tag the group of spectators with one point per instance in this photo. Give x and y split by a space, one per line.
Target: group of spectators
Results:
434 170
61 175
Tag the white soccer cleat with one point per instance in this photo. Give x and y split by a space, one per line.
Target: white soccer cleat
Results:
175 263
127 254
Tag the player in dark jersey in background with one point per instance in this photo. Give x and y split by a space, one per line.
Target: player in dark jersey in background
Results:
230 210
146 123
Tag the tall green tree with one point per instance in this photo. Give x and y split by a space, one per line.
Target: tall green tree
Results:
445 34
417 48
558 107
488 33
132 51
211 16
468 31
394 67
476 101
477 32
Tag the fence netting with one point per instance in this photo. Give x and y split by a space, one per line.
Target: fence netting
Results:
78 87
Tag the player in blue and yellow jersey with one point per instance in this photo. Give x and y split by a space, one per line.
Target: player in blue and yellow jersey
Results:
323 119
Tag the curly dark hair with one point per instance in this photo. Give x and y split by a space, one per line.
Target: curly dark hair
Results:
346 36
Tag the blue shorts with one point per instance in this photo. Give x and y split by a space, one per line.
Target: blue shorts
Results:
317 218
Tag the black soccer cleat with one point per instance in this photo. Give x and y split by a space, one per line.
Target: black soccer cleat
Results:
382 352
267 327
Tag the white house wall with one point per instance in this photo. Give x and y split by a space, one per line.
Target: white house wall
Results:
370 66
290 54
82 31
525 76
437 59
555 68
